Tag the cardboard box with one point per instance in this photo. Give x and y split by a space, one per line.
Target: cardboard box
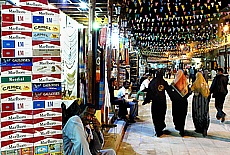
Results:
16 115
17 134
17 144
17 125
16 70
23 27
47 123
46 78
47 113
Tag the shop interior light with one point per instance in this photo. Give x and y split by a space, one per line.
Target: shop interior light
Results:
83 5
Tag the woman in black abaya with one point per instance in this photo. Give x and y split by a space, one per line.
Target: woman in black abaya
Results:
156 93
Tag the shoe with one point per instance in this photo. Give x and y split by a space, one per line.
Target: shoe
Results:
205 133
159 134
132 121
223 118
137 118
182 133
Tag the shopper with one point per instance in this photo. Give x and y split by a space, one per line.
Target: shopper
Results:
156 94
219 91
200 104
179 92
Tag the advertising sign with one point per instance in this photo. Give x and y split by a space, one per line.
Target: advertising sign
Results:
16 125
42 131
50 69
16 35
46 78
17 43
16 87
46 52
16 62
46 45
14 134
45 28
16 115
23 27
17 18
10 79
22 10
35 3
47 95
41 122
44 140
47 104
44 87
16 144
46 19
44 61
46 36
11 53
47 113
16 70
16 97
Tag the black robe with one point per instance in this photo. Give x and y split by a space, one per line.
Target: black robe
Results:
179 108
156 93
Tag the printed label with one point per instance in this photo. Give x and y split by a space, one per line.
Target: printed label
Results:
47 95
17 18
44 87
16 144
16 79
15 35
41 131
45 28
50 69
46 45
16 125
46 78
22 43
48 113
47 123
16 61
16 87
16 115
11 53
16 70
46 36
46 52
17 135
36 3
23 27
46 19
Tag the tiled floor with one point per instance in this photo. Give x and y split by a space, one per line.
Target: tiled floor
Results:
139 138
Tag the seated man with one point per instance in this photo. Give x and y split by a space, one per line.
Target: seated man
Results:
132 105
96 139
116 101
74 136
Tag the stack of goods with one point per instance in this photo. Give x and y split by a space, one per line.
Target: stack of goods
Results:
31 116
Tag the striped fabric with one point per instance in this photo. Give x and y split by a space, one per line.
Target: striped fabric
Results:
200 113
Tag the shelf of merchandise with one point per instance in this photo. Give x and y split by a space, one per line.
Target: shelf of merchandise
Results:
133 61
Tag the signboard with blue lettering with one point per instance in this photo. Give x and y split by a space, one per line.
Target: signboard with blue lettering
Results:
46 36
16 62
44 87
17 43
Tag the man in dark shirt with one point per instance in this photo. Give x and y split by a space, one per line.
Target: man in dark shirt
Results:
219 91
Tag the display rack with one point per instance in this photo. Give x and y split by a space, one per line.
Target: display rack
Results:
133 61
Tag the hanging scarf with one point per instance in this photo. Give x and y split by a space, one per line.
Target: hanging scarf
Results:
180 83
200 85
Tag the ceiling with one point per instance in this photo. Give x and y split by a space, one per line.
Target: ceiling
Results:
161 26
74 10
164 25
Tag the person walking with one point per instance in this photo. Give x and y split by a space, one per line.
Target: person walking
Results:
219 90
156 93
200 104
179 92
